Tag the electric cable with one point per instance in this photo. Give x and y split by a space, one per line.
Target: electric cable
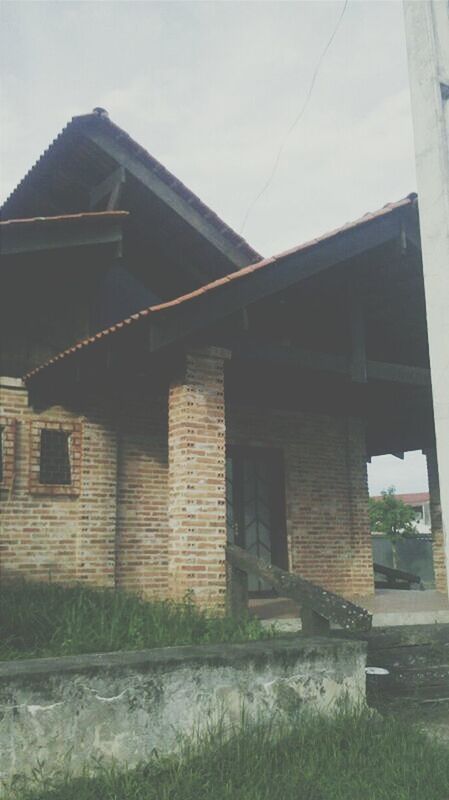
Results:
296 120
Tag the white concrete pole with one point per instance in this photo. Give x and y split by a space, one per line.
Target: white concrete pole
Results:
427 34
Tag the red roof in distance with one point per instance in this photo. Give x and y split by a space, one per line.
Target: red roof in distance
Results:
410 499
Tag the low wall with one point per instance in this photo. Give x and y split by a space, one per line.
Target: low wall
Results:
66 712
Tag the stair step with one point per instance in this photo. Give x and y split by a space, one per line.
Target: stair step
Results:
409 655
408 635
417 682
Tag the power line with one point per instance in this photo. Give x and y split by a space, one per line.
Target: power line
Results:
296 120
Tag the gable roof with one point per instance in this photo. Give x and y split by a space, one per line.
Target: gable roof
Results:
86 153
269 275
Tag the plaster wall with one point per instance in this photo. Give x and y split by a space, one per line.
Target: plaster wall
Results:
66 713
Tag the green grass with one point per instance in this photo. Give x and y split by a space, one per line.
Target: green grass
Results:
39 620
351 757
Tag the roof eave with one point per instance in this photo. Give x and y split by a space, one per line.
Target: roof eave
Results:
178 318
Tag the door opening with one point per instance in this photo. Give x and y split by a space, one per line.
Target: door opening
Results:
256 507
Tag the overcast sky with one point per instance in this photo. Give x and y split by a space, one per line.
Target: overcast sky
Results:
210 89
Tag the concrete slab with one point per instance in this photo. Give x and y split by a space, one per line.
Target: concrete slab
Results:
388 607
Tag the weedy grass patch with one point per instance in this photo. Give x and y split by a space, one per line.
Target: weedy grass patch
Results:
354 756
41 620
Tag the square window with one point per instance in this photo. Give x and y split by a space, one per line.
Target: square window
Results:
55 457
54 464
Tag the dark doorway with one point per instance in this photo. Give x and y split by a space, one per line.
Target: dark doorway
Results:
256 507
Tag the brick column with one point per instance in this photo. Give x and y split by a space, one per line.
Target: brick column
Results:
362 574
197 488
439 564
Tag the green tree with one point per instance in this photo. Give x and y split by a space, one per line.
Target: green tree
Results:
391 516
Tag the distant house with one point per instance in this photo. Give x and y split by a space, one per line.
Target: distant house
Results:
166 389
420 502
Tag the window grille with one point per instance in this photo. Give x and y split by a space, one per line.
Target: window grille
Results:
54 462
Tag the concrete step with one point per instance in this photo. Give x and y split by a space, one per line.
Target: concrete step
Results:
408 635
409 656
417 683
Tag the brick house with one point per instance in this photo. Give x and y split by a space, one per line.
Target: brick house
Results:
164 387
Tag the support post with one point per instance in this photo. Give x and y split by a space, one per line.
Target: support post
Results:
237 591
313 624
358 346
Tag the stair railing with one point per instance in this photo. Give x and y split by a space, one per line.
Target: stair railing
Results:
318 607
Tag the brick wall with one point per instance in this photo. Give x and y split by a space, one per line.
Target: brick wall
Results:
109 527
439 561
150 512
326 493
197 502
95 543
142 522
40 533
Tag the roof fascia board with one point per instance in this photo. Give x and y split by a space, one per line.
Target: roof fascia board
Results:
411 226
170 197
28 238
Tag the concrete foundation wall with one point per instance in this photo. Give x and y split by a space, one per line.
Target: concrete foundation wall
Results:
67 712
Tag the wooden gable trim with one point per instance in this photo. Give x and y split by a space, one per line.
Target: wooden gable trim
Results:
132 164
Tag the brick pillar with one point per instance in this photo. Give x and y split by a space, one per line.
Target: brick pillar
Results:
362 574
439 563
197 487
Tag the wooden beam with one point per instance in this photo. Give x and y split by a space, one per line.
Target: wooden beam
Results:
329 362
398 373
31 237
411 227
110 188
358 347
293 356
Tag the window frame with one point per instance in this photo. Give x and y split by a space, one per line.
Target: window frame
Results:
8 451
74 432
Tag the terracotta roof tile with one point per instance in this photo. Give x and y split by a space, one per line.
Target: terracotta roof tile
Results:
410 499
